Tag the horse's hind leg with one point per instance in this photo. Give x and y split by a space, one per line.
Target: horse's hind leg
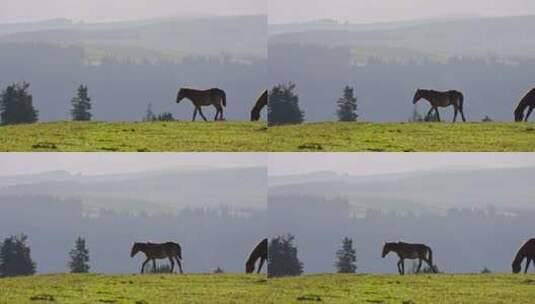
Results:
154 265
172 264
179 264
455 115
202 115
194 114
438 114
419 266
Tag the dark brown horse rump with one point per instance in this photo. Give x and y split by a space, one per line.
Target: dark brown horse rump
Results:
527 251
442 99
261 102
201 98
154 251
409 251
260 252
527 102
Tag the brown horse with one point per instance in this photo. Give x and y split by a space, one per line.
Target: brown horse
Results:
528 101
154 251
441 99
259 252
201 98
527 251
411 252
259 105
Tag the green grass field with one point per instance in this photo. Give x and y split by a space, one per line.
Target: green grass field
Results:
134 289
240 288
411 289
135 137
403 137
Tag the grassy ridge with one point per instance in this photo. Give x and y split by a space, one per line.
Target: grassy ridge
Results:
412 289
404 137
135 137
138 289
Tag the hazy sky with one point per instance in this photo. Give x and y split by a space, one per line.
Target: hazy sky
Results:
381 163
108 163
114 10
366 11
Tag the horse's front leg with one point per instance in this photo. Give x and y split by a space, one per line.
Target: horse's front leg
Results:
429 113
143 265
400 267
455 115
262 260
419 266
202 115
529 112
154 265
194 114
527 265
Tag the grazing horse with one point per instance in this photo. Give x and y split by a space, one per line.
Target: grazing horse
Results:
260 104
259 252
411 252
441 99
154 251
528 101
527 251
201 98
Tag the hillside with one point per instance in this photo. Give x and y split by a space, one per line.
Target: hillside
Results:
481 37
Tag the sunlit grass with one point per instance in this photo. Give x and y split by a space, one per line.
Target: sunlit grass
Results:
135 137
403 137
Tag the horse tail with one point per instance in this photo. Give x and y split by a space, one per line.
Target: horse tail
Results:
224 98
431 258
461 101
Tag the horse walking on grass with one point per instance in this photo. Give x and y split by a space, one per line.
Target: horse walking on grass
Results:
201 98
411 252
154 251
528 101
527 251
441 99
260 252
261 102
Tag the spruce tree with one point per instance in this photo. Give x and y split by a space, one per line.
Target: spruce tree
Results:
15 257
81 105
346 257
283 106
347 105
79 262
16 105
282 257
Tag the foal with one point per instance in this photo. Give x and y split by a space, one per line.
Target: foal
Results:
201 98
411 252
441 99
154 251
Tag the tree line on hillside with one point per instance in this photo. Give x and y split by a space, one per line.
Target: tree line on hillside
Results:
492 85
121 88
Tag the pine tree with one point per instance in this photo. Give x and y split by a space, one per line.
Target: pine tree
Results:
346 257
81 105
347 105
149 114
15 257
79 257
283 106
282 257
16 105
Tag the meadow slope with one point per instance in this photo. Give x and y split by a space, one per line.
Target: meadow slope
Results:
138 289
135 137
403 137
410 289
